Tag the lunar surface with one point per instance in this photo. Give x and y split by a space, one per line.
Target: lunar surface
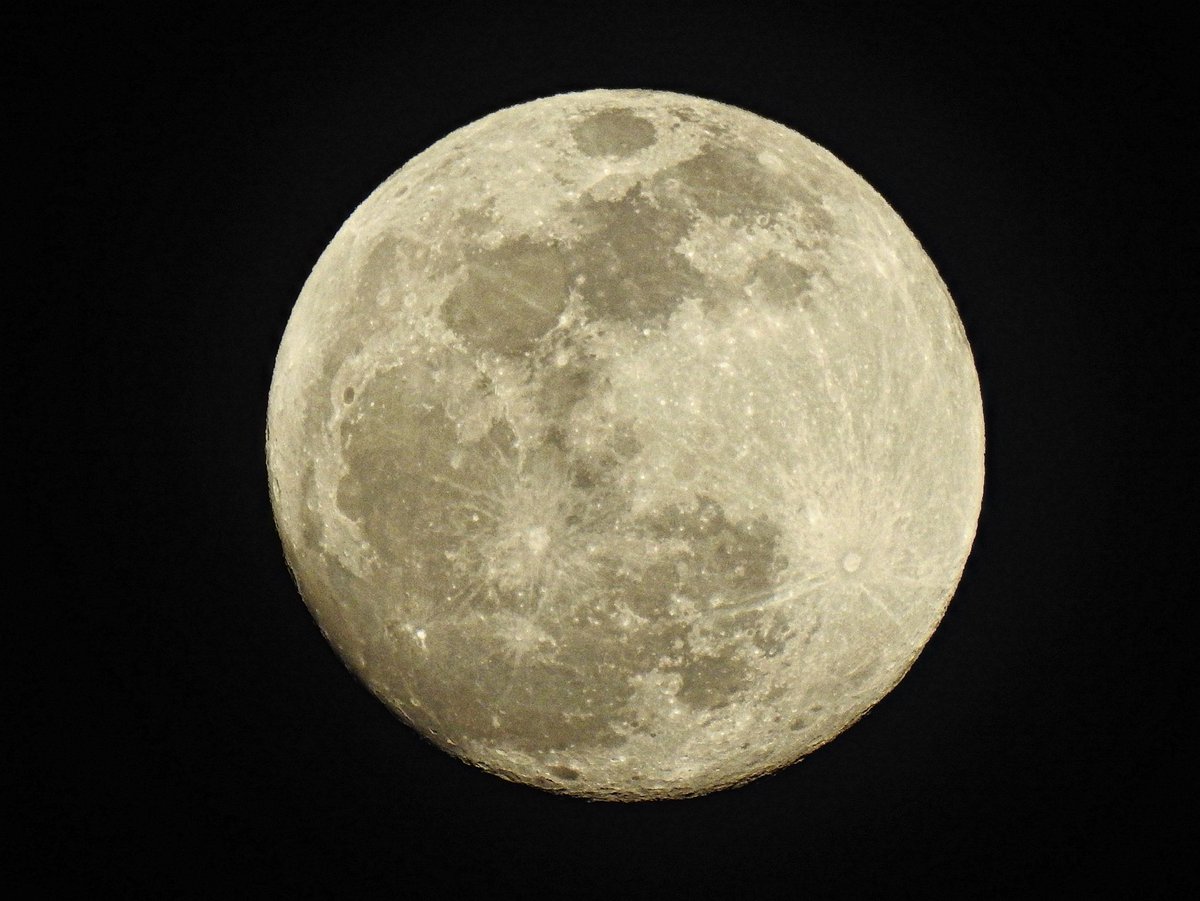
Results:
626 444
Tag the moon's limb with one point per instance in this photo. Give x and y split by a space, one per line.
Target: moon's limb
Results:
626 444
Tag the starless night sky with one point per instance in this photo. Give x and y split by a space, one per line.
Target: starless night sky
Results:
184 728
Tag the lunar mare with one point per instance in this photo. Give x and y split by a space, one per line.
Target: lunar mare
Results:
626 444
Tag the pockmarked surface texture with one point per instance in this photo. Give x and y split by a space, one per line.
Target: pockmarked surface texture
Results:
626 444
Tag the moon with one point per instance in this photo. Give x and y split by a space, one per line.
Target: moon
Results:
626 444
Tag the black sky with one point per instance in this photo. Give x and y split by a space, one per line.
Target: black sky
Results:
184 729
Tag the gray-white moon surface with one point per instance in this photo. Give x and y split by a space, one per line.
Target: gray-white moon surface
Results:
626 444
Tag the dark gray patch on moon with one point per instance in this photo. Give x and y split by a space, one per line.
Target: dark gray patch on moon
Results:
721 567
720 558
781 282
634 271
377 272
510 298
725 181
712 680
614 133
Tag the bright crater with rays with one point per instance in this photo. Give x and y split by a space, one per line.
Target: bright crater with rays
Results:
626 444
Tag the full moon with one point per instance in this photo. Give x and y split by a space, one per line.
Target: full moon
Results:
626 444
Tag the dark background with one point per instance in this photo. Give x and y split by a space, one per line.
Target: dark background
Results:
182 728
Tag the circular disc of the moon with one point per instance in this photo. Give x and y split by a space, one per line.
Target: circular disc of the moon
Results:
626 444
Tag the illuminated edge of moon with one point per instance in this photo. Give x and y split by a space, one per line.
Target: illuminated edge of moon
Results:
339 342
